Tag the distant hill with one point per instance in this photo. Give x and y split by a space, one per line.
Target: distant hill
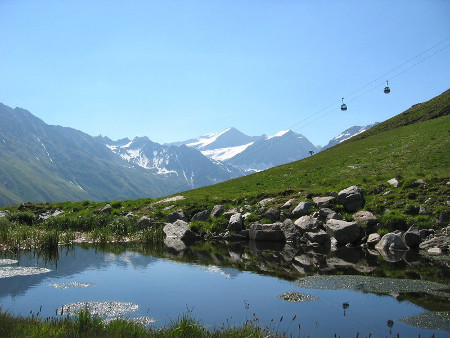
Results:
44 163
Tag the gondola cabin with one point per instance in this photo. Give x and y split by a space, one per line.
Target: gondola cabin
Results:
343 105
387 90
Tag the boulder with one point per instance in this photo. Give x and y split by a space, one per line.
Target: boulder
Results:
351 198
266 232
391 242
180 229
441 242
365 218
320 237
307 224
327 213
217 211
393 182
372 240
324 202
412 237
290 232
175 216
288 204
301 209
272 214
145 222
263 202
344 232
3 213
105 210
230 213
235 223
201 216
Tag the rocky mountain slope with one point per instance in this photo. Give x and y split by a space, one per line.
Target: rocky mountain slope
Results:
40 162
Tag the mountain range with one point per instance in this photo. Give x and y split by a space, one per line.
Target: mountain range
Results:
45 163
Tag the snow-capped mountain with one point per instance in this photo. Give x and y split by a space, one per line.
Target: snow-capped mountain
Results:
253 153
169 160
283 147
223 145
44 163
348 133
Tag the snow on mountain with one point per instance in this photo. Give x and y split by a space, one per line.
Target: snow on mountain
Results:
223 154
181 161
284 147
348 133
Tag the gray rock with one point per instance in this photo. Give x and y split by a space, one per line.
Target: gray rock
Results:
175 216
272 214
412 237
391 242
58 212
393 182
351 198
230 213
145 222
372 240
423 210
324 202
201 216
217 211
307 224
180 229
301 209
327 213
288 204
263 202
235 223
365 218
266 232
344 232
3 213
105 210
441 242
320 237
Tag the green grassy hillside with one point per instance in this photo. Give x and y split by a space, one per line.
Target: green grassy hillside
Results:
412 146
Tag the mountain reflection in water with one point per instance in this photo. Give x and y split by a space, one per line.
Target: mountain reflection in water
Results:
229 283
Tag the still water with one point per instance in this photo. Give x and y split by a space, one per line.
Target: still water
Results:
156 287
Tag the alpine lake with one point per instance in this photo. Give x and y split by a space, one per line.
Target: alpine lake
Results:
298 292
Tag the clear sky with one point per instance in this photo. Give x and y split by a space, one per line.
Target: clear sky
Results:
172 70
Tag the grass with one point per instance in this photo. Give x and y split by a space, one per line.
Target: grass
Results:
87 325
413 145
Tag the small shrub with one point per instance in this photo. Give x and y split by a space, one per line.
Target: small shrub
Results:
22 217
116 205
412 209
394 220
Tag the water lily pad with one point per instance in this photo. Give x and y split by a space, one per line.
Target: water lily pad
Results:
7 261
430 320
372 284
12 271
295 297
72 285
101 309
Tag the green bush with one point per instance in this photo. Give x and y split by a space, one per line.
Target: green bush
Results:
22 217
394 220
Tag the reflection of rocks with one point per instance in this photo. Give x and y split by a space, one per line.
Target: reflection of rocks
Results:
101 309
12 271
175 244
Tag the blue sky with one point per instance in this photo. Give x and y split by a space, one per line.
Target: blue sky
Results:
172 70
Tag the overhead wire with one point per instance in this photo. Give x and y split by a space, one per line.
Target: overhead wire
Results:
350 97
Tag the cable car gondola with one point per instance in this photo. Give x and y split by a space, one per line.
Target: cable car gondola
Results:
387 90
343 105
